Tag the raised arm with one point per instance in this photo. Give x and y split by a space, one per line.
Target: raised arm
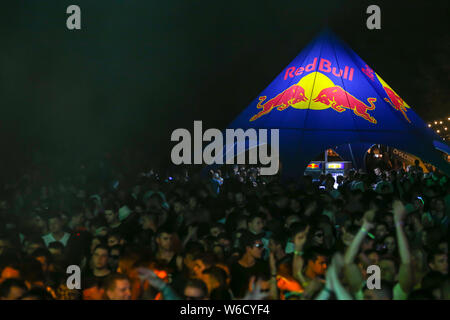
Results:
298 261
157 283
273 276
351 270
192 230
353 248
405 277
338 288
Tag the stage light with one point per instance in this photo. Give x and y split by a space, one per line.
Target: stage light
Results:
435 122
438 131
440 122
429 125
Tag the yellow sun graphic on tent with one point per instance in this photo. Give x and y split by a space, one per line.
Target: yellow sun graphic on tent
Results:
313 84
316 92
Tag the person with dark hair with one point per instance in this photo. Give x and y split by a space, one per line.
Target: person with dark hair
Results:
117 287
215 279
249 264
149 225
203 261
256 224
186 264
315 266
438 261
112 218
277 244
316 238
96 241
165 254
12 289
99 268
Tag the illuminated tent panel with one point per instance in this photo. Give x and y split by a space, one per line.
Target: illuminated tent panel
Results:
328 96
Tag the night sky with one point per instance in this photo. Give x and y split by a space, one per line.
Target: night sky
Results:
139 69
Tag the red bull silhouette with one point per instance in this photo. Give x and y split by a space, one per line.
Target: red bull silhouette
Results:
292 95
368 72
338 99
396 102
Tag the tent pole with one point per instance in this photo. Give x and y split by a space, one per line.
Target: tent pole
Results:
325 162
353 157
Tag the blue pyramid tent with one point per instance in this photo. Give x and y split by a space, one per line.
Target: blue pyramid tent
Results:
329 97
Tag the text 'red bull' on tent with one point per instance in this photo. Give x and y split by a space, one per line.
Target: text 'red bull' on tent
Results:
329 97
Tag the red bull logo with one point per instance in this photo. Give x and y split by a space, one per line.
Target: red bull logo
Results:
394 99
324 66
292 95
368 72
396 102
339 99
326 94
312 165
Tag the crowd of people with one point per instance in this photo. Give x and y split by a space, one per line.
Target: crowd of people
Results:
231 235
